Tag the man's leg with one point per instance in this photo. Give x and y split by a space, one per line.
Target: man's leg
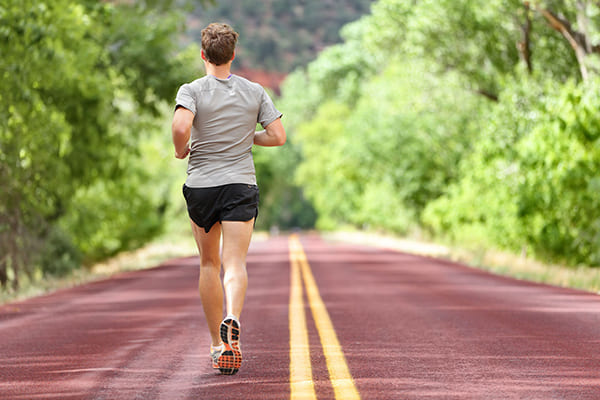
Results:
236 240
211 290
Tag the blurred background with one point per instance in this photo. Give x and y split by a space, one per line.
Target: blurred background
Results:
459 121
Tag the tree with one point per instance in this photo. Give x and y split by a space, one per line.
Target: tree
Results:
78 78
402 132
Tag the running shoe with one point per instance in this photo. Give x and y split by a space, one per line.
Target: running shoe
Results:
230 359
215 352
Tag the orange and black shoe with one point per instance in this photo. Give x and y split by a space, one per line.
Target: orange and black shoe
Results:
230 359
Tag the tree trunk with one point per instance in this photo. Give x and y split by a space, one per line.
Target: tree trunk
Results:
564 27
578 40
3 274
524 46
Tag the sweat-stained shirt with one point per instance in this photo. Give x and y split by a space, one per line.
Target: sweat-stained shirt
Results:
226 112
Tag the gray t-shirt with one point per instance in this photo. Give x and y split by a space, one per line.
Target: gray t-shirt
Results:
226 112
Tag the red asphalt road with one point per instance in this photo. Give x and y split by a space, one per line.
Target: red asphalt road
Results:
410 327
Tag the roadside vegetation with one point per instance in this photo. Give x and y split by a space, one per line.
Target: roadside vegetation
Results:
510 264
86 169
473 124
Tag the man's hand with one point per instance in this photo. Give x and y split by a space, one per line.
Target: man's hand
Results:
182 155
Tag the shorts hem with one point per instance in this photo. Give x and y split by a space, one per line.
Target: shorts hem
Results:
207 229
229 202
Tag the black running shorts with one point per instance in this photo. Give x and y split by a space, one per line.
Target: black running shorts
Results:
234 202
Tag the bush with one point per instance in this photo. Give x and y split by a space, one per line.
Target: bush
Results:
532 180
59 256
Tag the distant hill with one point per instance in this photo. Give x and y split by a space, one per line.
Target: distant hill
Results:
277 36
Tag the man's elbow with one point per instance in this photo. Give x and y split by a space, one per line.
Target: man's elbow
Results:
276 132
281 139
280 135
178 130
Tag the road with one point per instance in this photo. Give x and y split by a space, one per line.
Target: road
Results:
322 321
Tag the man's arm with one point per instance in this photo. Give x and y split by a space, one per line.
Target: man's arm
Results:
273 135
181 130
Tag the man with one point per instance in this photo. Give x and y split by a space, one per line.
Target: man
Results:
219 113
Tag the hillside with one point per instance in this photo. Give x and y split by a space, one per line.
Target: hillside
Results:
277 36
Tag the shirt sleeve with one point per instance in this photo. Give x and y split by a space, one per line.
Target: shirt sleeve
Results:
185 98
267 112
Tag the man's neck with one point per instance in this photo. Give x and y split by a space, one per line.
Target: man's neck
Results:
218 71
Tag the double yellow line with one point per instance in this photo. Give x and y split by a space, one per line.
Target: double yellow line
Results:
301 380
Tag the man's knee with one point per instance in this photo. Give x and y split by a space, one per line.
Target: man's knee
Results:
210 264
235 273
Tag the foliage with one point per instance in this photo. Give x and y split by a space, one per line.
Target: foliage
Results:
532 184
332 190
78 94
128 210
59 256
379 163
559 203
282 202
396 128
476 120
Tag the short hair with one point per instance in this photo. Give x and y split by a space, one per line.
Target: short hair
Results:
218 43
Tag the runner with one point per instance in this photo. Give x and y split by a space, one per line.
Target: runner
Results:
219 113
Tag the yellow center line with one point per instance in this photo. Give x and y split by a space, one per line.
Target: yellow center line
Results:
339 373
302 386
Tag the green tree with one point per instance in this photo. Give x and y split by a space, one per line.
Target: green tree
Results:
80 83
531 182
395 125
386 149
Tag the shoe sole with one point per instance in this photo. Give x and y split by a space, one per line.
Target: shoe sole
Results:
230 359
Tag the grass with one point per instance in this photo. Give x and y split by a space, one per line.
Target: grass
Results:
162 249
498 262
169 246
175 245
582 277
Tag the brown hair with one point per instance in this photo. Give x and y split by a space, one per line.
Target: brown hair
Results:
218 43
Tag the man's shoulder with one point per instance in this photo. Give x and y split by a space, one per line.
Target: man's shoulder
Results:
199 83
246 83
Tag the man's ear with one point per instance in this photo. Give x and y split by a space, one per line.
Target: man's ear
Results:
202 54
233 57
